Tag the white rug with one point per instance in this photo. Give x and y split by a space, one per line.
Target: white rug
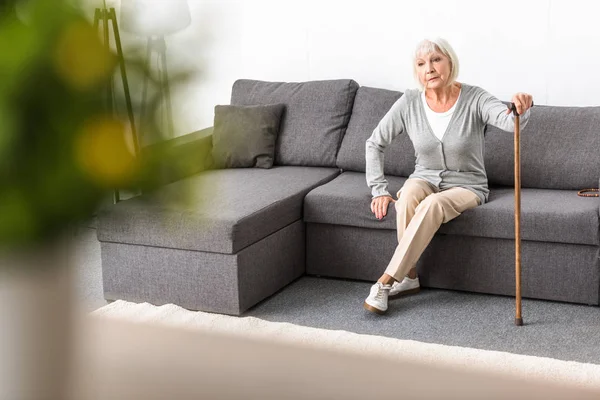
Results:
555 371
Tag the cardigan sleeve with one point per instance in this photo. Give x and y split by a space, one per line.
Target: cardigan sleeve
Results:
390 126
493 112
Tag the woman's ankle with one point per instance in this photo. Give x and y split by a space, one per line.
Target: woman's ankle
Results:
387 279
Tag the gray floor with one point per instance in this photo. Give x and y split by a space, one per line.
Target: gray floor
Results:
558 330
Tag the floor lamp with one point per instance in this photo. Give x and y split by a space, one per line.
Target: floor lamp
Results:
156 19
109 21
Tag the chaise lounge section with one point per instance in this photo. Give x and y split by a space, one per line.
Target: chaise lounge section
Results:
221 240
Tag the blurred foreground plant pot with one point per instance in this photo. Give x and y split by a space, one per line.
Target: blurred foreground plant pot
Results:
35 322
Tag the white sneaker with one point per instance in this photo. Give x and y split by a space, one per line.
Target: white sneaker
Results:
377 301
407 286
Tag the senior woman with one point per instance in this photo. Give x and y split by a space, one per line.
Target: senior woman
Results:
445 121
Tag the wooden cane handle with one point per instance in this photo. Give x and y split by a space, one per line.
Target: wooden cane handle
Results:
513 108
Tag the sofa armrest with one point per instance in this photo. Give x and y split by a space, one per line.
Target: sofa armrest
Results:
174 159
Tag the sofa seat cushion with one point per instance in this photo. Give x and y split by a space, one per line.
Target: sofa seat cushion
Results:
225 211
346 201
547 215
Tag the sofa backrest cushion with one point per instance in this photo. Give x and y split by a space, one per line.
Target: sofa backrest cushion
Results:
370 105
559 150
314 121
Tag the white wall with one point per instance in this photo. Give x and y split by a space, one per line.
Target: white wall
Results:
545 47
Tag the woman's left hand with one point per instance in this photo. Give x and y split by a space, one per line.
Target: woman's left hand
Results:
523 102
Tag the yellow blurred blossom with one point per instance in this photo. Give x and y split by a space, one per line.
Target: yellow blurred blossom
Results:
80 57
102 151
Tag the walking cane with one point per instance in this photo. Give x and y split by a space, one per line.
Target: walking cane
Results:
518 317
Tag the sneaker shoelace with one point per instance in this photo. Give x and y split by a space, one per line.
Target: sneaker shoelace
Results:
380 291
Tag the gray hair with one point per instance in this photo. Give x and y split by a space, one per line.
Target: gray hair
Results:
442 46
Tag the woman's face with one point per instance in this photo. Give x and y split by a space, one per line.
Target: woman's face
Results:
433 70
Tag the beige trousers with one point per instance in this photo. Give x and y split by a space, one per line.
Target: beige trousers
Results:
420 211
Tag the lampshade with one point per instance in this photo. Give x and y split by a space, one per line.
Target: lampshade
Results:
154 17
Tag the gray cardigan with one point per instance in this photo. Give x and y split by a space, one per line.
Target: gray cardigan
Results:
457 159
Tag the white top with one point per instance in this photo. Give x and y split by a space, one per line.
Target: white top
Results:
438 121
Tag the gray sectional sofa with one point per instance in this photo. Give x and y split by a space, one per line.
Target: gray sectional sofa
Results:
250 232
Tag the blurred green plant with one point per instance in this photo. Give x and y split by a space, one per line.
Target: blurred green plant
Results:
62 152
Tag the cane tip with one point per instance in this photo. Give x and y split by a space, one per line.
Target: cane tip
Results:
519 321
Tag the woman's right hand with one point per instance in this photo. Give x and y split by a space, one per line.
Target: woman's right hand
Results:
379 205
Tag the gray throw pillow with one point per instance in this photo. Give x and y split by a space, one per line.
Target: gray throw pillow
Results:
244 136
